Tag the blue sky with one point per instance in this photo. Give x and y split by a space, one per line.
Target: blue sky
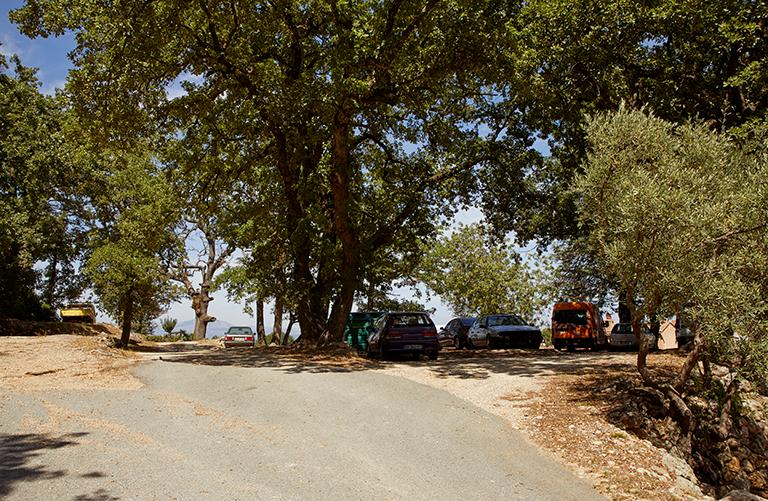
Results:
49 55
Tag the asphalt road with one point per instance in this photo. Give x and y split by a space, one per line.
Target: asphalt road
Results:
223 432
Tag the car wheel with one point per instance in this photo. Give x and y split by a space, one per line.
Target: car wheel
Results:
432 355
489 342
457 343
416 356
570 347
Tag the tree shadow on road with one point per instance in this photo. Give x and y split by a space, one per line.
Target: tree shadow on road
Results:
18 453
451 364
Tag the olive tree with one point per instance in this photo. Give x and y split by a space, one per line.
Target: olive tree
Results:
676 215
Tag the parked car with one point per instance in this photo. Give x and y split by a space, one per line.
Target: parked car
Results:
455 332
239 336
494 330
411 333
577 324
623 338
84 313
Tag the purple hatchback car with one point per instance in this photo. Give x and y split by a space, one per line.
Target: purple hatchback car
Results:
411 333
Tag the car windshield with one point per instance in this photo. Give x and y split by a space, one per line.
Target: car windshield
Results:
412 319
578 317
622 329
505 320
239 330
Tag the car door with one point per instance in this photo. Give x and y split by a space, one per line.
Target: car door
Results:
445 336
476 335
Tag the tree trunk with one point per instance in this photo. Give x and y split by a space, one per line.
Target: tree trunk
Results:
642 342
690 361
350 242
625 311
277 326
53 277
287 335
261 335
726 423
200 306
127 319
369 295
311 316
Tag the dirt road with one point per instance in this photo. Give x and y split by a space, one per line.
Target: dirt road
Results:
271 430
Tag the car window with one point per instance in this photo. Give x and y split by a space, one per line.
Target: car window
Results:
240 330
504 320
578 317
468 322
410 319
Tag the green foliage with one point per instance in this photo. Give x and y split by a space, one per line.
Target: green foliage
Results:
355 130
168 324
684 60
38 200
477 276
385 302
137 214
677 216
546 336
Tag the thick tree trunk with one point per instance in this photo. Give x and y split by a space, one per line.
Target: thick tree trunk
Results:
200 306
260 333
277 325
312 316
125 338
350 242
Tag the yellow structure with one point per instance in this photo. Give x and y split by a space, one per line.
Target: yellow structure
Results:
84 313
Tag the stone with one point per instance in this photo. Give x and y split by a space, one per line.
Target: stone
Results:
741 495
758 481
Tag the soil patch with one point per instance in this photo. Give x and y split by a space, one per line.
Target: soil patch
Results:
11 327
64 362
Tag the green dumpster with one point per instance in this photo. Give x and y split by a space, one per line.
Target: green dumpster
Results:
359 326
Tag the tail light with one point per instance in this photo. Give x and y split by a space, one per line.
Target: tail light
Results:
392 335
249 338
228 338
429 333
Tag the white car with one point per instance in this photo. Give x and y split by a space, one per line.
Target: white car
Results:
622 337
494 330
239 336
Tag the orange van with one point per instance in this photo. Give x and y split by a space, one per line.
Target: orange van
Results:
577 324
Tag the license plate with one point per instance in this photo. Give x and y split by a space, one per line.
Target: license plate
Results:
412 347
